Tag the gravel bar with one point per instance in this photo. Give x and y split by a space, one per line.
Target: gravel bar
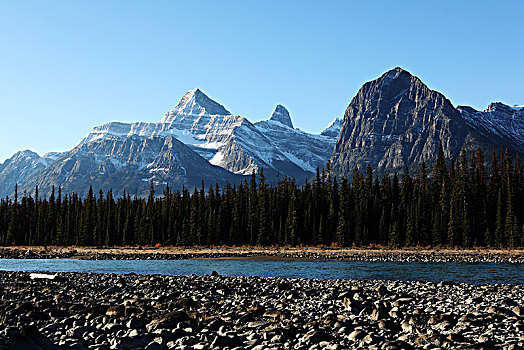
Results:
111 311
480 256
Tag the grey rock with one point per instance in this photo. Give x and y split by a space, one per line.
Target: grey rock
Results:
168 321
115 311
137 342
357 334
281 115
31 338
396 121
217 147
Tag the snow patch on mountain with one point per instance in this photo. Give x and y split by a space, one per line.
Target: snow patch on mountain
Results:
502 120
195 104
304 150
199 138
281 115
19 168
333 129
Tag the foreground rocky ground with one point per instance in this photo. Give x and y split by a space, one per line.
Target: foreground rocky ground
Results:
313 253
102 311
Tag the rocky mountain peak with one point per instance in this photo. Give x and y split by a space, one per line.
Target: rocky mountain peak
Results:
280 114
466 109
195 103
396 81
393 122
395 73
26 153
499 107
333 129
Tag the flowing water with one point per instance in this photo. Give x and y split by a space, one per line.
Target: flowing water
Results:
324 269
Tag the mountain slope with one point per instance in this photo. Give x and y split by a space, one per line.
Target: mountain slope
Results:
499 122
308 151
397 121
333 129
199 139
129 163
229 141
20 167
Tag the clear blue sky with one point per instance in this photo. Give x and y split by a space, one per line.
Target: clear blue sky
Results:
67 66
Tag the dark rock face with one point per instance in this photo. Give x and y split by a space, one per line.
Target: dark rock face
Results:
31 338
280 114
396 121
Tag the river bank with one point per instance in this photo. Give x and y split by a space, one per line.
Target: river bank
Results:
308 253
102 311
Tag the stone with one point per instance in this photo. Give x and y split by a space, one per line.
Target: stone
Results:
115 311
168 321
31 338
357 334
518 310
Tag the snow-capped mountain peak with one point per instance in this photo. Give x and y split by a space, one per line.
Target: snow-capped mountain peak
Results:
19 168
333 129
498 120
280 114
53 155
194 104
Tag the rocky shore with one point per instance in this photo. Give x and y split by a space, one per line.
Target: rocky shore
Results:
406 255
108 311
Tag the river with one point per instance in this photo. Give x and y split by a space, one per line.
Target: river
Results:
476 273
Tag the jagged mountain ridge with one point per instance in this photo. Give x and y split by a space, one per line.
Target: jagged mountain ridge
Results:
128 164
396 121
231 141
22 166
498 122
393 122
198 131
333 129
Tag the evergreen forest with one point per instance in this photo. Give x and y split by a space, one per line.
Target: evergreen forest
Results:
460 204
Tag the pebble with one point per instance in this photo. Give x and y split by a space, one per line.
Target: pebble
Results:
110 311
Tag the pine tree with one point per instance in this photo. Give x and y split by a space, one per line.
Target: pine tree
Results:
14 221
334 211
511 229
499 225
88 220
253 210
292 221
452 229
263 232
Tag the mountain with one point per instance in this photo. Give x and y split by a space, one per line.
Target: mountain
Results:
308 151
20 167
281 115
198 140
396 121
333 129
128 163
229 141
499 122
234 143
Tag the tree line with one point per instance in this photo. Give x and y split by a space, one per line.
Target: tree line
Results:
458 204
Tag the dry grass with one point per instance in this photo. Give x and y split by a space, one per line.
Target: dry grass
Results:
321 250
